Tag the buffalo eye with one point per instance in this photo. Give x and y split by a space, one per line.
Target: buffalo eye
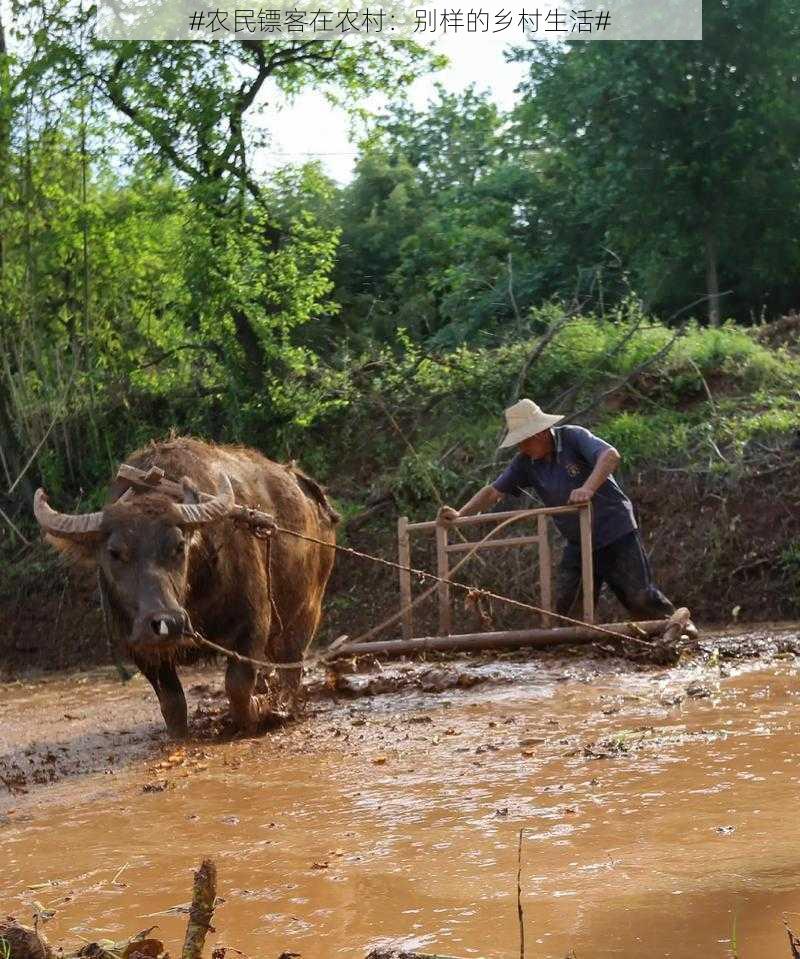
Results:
115 554
180 548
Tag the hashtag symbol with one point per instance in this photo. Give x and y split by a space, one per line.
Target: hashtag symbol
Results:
196 20
603 19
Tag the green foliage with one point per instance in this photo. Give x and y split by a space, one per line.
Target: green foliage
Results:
174 294
648 438
421 477
661 167
448 405
429 224
666 157
732 349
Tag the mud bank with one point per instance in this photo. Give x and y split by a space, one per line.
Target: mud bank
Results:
719 548
655 806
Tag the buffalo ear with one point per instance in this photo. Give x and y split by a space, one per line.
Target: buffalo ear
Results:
191 494
77 552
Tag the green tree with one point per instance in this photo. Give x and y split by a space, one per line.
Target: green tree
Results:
197 108
678 157
430 224
148 275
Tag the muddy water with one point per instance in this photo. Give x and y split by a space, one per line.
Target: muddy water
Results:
655 822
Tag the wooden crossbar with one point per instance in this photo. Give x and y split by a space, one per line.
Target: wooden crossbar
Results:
496 517
465 547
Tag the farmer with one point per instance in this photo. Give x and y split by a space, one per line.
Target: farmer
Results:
568 464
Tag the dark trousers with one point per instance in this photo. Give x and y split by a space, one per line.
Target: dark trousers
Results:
622 564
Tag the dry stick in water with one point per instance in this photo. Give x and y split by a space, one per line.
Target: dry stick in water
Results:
794 942
203 897
520 915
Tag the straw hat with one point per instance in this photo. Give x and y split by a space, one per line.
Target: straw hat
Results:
525 419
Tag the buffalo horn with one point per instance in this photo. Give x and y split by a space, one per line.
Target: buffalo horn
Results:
209 510
65 525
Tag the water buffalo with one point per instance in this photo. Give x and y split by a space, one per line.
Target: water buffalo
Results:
167 567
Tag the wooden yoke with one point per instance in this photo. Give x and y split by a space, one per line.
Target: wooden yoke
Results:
154 480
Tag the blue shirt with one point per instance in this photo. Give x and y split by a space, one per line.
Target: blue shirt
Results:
574 457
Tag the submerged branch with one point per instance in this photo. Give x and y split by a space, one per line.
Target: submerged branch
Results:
202 910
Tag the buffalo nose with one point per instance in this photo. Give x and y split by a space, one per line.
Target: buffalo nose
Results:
167 625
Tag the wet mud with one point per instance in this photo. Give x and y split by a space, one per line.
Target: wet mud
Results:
657 808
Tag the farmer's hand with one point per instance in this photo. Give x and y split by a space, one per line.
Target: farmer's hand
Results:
581 495
447 513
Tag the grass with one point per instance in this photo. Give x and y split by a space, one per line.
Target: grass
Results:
703 404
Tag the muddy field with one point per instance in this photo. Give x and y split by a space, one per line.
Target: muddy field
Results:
658 809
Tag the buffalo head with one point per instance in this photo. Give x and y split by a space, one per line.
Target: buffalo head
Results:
141 545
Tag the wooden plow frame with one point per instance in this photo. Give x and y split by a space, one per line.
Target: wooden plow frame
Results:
444 548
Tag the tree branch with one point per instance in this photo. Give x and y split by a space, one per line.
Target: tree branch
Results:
117 97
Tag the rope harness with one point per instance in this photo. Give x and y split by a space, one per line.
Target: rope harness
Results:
265 532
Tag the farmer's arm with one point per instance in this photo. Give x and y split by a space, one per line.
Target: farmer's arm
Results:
507 483
480 502
605 464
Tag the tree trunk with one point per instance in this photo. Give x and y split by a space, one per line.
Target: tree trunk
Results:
712 280
254 359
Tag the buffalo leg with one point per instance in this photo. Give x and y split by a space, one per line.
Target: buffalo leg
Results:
163 678
249 710
240 684
290 696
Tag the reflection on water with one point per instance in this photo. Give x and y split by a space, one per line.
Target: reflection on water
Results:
397 820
